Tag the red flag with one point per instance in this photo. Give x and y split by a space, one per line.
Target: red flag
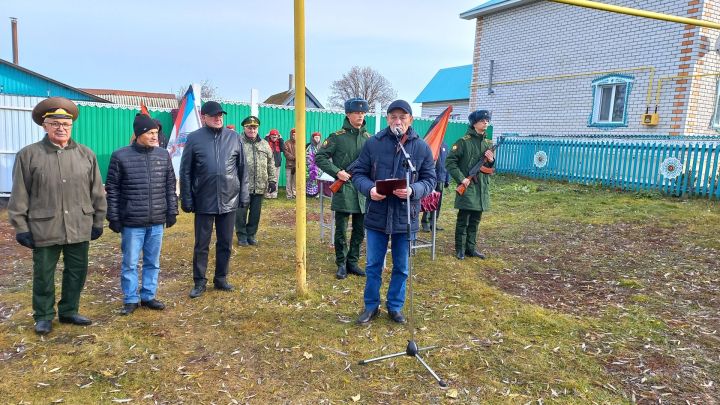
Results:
143 109
436 133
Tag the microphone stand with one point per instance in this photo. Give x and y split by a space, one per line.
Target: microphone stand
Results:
412 349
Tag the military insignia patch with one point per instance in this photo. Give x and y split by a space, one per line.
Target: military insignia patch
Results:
325 143
454 147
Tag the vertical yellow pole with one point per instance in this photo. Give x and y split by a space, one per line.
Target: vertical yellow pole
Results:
300 137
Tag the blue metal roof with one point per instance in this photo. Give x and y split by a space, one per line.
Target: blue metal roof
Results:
448 84
492 6
19 81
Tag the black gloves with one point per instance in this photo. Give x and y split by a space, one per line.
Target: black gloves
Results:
115 226
96 233
170 220
25 239
272 187
244 204
187 208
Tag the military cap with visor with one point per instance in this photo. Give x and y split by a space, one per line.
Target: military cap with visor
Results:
251 121
55 107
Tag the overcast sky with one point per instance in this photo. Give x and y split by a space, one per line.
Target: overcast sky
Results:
160 46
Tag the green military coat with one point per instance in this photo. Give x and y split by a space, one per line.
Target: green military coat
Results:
336 153
464 154
259 162
57 194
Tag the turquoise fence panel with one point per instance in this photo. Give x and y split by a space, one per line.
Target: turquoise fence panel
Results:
676 167
236 113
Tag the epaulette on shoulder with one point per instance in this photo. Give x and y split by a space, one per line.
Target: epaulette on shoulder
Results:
466 137
340 132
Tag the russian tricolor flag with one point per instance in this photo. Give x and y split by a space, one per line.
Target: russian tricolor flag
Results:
186 121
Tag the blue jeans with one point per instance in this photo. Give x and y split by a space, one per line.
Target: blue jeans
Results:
148 239
376 250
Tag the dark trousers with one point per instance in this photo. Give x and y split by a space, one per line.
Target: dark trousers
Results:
203 233
426 216
45 259
466 230
343 253
247 219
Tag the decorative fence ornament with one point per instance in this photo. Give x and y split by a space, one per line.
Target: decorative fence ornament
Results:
540 159
671 168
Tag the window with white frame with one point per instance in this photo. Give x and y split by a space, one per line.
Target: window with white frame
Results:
610 99
716 115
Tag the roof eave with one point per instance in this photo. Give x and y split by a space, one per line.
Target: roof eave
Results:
482 11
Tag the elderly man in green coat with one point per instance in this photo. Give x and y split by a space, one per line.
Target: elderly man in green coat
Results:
57 205
464 154
334 156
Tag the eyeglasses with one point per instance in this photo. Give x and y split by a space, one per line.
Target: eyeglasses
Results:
56 125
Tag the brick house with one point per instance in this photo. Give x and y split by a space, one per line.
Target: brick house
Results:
549 68
449 86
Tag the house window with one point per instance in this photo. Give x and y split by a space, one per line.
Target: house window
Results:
716 115
610 101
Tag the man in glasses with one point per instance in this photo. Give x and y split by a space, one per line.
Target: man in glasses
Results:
464 154
57 206
213 184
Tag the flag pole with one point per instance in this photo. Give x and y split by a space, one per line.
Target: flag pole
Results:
300 138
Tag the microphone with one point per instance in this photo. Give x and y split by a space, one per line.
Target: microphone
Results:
397 131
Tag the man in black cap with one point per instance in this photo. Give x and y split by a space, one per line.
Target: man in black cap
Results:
57 205
213 184
387 217
334 156
465 154
140 186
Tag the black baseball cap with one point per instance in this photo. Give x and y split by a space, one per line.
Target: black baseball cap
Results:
212 108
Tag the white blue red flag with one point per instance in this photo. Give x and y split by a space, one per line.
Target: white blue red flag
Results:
186 121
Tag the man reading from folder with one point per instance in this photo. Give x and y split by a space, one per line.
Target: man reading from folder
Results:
381 158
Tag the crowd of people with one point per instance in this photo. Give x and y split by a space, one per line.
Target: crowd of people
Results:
59 204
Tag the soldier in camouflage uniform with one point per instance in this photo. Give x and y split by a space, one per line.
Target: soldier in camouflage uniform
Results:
259 163
334 156
464 154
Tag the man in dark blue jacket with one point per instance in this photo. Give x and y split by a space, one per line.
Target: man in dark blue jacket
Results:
386 215
213 183
443 181
141 198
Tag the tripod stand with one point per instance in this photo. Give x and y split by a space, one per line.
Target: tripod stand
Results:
412 348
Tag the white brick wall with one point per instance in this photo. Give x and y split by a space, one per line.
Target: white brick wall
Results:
460 109
547 54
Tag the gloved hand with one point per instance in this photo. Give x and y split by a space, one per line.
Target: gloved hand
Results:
115 226
96 233
25 239
244 204
170 221
187 208
272 187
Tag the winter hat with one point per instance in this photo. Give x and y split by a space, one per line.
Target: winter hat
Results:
142 124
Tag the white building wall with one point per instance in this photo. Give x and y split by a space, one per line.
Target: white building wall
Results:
547 54
17 130
460 109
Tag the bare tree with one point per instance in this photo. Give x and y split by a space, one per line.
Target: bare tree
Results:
207 90
362 82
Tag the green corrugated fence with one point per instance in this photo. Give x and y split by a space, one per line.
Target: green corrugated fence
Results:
107 128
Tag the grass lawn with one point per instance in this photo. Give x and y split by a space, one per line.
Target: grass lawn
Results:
587 296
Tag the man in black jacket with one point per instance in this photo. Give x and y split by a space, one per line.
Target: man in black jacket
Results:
213 183
140 188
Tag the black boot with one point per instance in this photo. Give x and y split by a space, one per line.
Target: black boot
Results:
474 253
354 269
222 284
367 316
341 272
43 327
197 291
128 308
460 255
